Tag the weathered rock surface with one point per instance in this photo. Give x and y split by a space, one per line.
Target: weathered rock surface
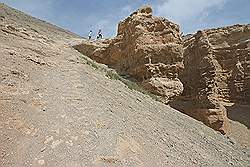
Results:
217 71
150 50
58 111
147 48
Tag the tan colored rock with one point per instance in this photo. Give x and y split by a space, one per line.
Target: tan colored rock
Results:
67 114
150 50
147 48
217 68
92 49
170 88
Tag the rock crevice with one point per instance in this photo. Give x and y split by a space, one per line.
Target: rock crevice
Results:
216 73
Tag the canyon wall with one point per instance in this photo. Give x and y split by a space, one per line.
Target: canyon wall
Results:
216 74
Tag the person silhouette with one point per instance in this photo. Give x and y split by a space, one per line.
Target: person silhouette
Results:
90 34
99 35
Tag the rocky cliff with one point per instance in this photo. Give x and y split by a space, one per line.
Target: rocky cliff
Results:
56 110
217 68
148 49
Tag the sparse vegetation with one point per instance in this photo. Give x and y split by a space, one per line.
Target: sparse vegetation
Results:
112 74
75 111
90 62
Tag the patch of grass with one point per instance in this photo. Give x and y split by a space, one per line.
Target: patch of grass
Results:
111 74
90 62
130 84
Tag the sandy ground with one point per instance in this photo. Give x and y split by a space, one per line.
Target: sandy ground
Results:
58 111
239 116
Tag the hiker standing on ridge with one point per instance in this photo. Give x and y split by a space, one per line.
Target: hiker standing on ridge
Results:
99 35
90 34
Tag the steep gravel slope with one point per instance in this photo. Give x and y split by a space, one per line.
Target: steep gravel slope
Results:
58 111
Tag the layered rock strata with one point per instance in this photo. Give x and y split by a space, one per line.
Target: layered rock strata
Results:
217 68
148 49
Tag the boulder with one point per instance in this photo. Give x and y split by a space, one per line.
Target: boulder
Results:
169 88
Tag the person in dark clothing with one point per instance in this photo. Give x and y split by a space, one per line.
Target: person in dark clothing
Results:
99 35
90 34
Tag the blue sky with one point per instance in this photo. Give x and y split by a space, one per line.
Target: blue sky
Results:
80 16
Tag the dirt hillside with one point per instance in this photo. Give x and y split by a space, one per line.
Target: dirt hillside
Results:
60 109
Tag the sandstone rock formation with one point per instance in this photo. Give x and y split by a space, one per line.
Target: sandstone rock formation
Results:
217 72
58 111
147 48
150 50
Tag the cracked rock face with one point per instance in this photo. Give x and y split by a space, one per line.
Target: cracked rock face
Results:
148 49
217 67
